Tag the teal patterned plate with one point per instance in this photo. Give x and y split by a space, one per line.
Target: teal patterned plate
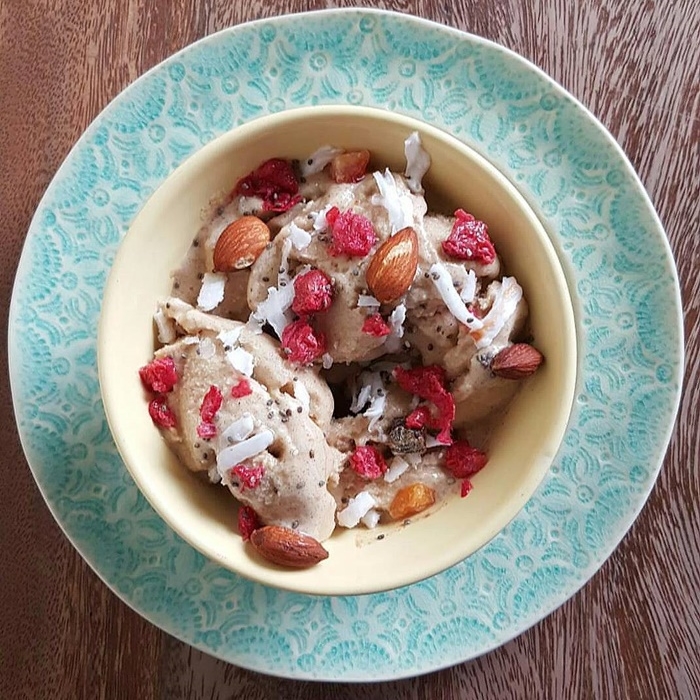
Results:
622 279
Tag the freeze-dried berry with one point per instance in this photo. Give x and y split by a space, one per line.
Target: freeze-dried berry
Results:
211 403
418 418
301 343
368 462
351 234
206 430
274 182
238 391
404 440
465 488
159 376
462 460
313 293
161 414
469 240
375 325
248 522
249 477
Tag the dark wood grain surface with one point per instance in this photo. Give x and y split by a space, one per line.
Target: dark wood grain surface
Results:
633 631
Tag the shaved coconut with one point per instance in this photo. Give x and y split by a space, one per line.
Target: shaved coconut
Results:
231 456
320 223
376 410
507 296
239 430
431 441
301 394
212 290
469 289
417 162
165 327
446 289
396 321
229 338
413 457
397 467
206 349
319 159
371 519
363 396
249 205
190 340
356 509
367 300
399 206
213 474
241 360
299 238
283 275
275 309
326 361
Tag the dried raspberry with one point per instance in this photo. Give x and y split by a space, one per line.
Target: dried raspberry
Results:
301 343
466 488
248 522
211 403
428 383
274 182
313 292
375 325
469 240
418 418
206 430
159 376
463 460
352 234
238 391
161 414
250 477
368 462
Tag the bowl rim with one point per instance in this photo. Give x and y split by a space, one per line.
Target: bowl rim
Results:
530 483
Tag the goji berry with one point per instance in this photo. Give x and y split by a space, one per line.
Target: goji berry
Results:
248 522
301 343
463 460
469 240
274 182
313 292
351 234
375 325
238 391
368 462
250 477
161 414
160 375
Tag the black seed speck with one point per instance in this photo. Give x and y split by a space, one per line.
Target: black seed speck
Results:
266 279
200 276
196 445
321 484
205 455
268 246
300 485
407 521
176 285
299 409
344 499
295 525
430 346
270 415
310 161
195 243
426 275
283 284
268 402
380 537
302 180
311 454
288 412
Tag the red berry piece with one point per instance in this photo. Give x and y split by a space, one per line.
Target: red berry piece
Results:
351 234
159 376
313 293
161 414
238 391
466 488
211 403
248 522
368 462
375 325
301 343
418 418
249 477
206 430
469 240
462 460
274 182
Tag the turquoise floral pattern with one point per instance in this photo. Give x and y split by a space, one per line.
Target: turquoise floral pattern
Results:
616 258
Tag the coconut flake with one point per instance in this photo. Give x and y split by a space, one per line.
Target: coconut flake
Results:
213 474
300 239
301 394
206 349
413 458
165 327
397 467
443 282
356 509
319 159
231 456
417 162
396 321
399 206
275 309
371 519
239 430
320 223
360 400
190 340
367 300
326 360
241 360
229 337
431 442
212 290
468 292
375 411
507 296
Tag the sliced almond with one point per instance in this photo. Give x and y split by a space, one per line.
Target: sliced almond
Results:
350 166
391 271
516 361
240 244
411 500
286 547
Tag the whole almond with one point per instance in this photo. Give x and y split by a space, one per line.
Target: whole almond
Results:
240 244
391 271
516 361
286 547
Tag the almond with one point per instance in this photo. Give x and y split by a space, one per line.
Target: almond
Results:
240 244
411 500
286 547
391 271
350 166
516 361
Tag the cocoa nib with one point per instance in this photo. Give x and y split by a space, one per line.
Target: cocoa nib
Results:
403 440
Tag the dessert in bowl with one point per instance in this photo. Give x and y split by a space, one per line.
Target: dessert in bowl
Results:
337 350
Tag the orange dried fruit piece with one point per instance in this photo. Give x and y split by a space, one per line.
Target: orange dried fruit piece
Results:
350 166
411 500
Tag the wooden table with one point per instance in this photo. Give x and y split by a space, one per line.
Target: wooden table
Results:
633 632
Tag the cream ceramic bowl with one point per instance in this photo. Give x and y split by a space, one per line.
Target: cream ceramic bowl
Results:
526 440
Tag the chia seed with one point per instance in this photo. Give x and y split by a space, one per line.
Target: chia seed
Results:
299 409
311 454
381 537
295 524
200 276
300 485
195 243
